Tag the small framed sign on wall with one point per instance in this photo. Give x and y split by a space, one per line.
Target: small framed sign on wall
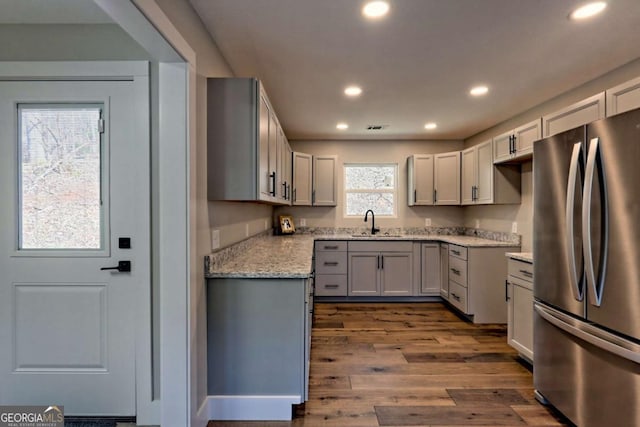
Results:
286 224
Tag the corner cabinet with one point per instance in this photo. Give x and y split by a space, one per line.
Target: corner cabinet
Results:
578 114
380 268
314 180
486 183
244 144
517 145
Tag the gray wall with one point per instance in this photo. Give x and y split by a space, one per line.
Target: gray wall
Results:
500 218
376 151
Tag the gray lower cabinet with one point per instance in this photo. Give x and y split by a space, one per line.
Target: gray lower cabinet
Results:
331 268
476 282
444 271
430 280
519 296
258 341
380 268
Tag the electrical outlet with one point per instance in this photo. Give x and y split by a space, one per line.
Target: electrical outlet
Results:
215 239
514 227
266 224
427 222
246 230
477 223
303 222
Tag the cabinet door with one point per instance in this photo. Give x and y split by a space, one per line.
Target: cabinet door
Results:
580 113
324 181
485 173
422 179
280 172
430 269
273 154
502 147
520 315
364 273
525 135
623 97
302 179
447 178
469 176
444 271
263 143
288 178
396 273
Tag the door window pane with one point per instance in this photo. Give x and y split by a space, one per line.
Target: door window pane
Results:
60 176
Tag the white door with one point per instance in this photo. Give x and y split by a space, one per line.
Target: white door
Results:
74 185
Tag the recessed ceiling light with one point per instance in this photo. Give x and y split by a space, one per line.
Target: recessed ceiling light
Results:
430 126
479 90
375 9
352 91
342 126
588 10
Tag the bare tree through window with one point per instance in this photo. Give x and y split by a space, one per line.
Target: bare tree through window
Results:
60 178
370 186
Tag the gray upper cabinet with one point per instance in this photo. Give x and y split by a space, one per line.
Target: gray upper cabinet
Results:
420 179
517 145
580 113
302 179
324 181
242 142
623 97
314 180
433 179
486 183
446 178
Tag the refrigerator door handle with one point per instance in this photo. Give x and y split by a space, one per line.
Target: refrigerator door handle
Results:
595 285
576 160
630 354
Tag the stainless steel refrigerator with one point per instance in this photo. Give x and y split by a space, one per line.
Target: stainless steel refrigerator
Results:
586 249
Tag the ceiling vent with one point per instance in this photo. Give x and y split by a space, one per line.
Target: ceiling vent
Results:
377 127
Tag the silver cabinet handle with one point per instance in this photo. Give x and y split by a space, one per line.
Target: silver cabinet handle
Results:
576 163
595 285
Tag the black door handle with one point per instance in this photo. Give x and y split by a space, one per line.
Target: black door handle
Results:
122 267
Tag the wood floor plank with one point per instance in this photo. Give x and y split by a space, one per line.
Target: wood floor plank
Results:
463 415
413 364
448 381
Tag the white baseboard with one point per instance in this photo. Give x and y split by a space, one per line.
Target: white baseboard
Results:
249 408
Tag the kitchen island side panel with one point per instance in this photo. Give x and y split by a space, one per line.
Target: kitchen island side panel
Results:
255 336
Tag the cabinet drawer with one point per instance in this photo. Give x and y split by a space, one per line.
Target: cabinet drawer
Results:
458 251
458 271
331 285
331 263
378 246
458 296
520 269
330 246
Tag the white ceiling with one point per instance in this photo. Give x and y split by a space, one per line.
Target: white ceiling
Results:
418 64
52 12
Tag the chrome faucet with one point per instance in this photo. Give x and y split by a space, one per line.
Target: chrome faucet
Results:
374 230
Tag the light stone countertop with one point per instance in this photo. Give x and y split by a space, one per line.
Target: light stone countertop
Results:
521 256
269 256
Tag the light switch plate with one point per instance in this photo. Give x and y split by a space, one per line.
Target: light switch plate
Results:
246 230
514 227
427 222
215 239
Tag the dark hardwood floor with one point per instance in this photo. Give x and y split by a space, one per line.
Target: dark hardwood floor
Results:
412 364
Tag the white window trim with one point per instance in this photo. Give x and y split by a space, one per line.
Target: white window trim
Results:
393 191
